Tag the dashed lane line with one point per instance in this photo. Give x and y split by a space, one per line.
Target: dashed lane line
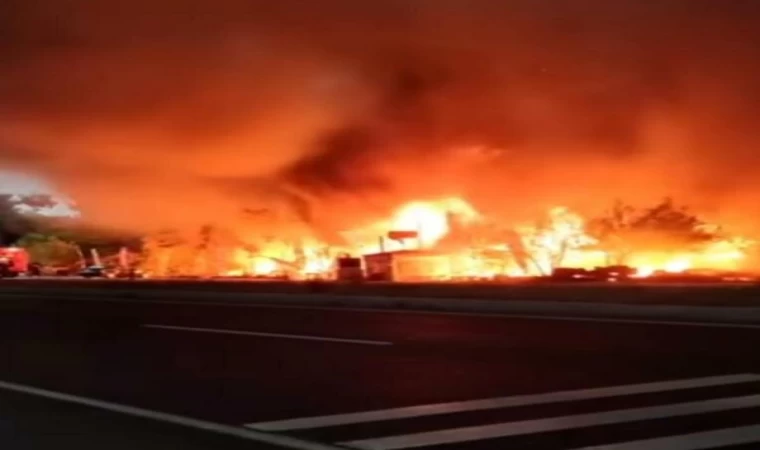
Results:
299 337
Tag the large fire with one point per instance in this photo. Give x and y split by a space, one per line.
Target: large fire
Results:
431 219
457 242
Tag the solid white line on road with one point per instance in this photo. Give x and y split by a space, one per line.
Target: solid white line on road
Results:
299 337
239 432
502 402
695 441
500 430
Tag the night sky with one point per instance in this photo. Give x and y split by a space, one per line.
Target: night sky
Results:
185 111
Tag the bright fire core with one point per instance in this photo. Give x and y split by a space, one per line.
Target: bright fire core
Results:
460 243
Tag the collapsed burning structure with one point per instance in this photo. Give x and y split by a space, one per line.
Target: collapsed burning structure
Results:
447 239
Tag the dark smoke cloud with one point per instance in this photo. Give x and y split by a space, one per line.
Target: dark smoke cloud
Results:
185 112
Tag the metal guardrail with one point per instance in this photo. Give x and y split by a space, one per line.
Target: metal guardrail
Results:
521 307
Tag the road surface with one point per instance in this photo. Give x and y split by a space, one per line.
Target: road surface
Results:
237 376
34 423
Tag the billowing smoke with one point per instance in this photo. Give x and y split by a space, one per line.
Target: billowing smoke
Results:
186 112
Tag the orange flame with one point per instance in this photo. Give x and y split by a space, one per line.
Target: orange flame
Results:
560 240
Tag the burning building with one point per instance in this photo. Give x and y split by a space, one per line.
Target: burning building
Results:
448 239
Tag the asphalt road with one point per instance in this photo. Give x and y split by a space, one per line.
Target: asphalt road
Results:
34 423
508 383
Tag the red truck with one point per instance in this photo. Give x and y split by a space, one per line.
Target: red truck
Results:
14 261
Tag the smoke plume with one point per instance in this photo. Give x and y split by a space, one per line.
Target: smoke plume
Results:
185 112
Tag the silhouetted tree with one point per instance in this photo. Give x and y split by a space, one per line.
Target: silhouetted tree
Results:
50 250
625 229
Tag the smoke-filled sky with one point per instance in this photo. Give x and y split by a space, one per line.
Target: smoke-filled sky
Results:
181 112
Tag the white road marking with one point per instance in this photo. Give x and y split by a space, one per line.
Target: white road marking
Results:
502 402
299 337
500 430
694 441
239 432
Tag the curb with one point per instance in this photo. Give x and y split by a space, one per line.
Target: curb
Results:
665 313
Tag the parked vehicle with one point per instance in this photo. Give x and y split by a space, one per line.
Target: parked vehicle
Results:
94 272
14 261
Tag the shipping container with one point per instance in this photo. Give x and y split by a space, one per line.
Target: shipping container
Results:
407 265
